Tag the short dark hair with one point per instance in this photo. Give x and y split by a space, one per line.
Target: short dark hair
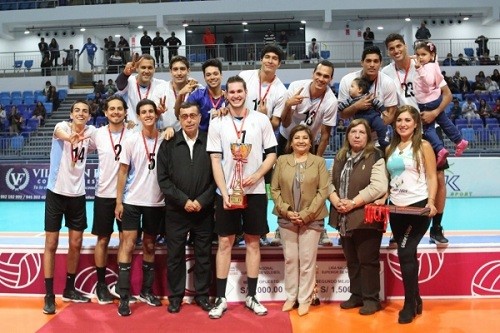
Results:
234 79
177 58
363 84
113 98
371 50
187 105
211 63
298 128
143 102
146 56
272 49
392 37
79 101
325 63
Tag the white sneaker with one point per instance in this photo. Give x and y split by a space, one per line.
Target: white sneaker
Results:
115 292
219 308
253 304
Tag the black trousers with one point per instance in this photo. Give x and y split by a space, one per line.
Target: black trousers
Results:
177 226
408 231
362 252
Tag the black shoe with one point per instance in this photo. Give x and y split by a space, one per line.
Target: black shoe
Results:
436 234
149 298
75 296
203 303
103 294
49 306
419 305
351 303
124 307
407 315
370 308
174 305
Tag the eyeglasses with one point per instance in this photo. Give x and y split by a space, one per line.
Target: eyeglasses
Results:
185 116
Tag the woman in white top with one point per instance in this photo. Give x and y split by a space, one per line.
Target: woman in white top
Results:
412 167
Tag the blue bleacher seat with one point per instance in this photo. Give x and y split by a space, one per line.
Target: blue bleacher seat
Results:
4 100
32 124
28 64
491 121
90 96
201 57
16 93
460 125
37 93
101 121
17 142
41 98
496 134
461 121
28 100
468 134
483 136
192 57
16 101
27 93
18 64
62 94
48 108
5 93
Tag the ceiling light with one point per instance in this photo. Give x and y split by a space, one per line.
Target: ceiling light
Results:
190 31
82 29
466 18
118 36
301 28
185 24
140 27
245 29
408 19
380 28
303 22
244 23
26 32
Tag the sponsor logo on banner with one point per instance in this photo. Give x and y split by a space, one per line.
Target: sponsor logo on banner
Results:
17 180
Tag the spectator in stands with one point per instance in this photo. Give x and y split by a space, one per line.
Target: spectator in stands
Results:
478 86
158 44
71 55
300 216
91 49
172 44
422 32
209 41
283 41
496 110
485 59
469 110
15 121
228 42
455 111
464 85
53 98
46 65
146 43
99 87
484 110
110 88
358 178
3 119
55 54
496 60
413 182
269 37
461 61
111 48
124 48
114 63
99 101
496 76
46 88
449 60
313 50
40 113
368 37
43 47
490 85
482 76
482 45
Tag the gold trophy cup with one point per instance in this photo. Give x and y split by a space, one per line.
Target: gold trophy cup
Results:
240 152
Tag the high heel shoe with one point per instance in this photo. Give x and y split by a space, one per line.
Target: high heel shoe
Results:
407 315
419 307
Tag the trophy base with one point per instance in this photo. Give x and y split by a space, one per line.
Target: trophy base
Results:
238 201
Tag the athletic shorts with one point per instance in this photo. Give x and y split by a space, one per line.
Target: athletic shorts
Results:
150 219
251 220
72 208
104 217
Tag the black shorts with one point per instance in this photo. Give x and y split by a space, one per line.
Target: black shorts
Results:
72 208
104 217
254 217
152 221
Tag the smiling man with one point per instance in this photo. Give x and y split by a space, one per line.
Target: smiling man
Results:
211 98
240 126
381 87
139 203
66 197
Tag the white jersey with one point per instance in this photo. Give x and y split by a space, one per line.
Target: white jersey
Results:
311 112
135 93
257 131
274 93
67 163
168 118
383 88
405 83
109 147
141 186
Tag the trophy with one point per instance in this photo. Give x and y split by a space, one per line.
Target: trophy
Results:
240 152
